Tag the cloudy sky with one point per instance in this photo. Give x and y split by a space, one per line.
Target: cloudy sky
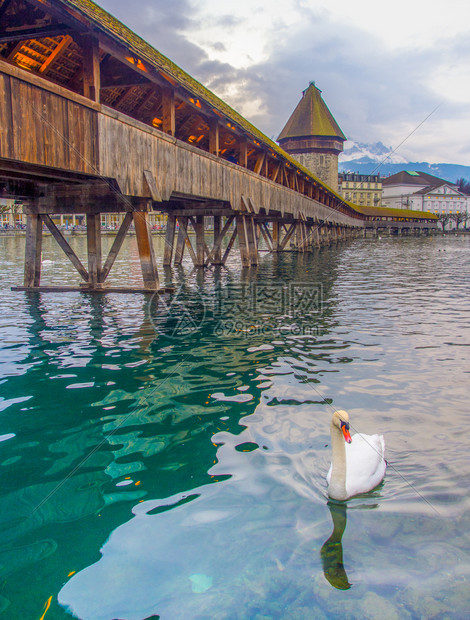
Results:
383 68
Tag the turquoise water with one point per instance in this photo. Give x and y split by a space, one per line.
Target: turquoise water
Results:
169 458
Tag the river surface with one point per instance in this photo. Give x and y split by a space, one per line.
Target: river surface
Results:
167 457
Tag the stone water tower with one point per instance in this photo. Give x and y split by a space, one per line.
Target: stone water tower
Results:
313 137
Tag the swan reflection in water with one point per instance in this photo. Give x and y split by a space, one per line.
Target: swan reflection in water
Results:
332 550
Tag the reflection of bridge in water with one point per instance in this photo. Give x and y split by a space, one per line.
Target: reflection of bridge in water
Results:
94 120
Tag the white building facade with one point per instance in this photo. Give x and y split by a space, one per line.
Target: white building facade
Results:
423 192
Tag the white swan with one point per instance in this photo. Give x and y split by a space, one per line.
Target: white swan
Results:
357 464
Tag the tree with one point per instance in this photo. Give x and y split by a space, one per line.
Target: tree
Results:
460 217
463 185
444 219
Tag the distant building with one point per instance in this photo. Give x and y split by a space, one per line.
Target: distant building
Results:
422 192
11 214
361 189
313 137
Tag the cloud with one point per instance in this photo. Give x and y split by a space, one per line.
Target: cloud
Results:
375 93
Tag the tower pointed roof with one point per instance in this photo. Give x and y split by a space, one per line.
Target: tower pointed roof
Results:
311 117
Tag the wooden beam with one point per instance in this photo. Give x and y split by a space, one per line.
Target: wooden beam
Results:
276 172
259 162
229 245
168 111
180 243
169 240
152 185
117 243
56 53
200 244
24 34
183 224
65 246
251 240
218 243
288 235
216 250
276 236
93 231
214 136
243 159
266 235
146 251
91 67
242 240
32 260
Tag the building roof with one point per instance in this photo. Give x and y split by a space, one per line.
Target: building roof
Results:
413 177
311 117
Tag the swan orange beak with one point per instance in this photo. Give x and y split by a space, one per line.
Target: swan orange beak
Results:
347 436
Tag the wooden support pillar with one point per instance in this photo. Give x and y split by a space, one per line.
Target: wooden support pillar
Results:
179 252
93 231
242 240
251 240
243 159
200 254
299 241
32 261
316 235
91 67
275 236
217 254
117 243
168 111
308 237
146 250
169 240
214 137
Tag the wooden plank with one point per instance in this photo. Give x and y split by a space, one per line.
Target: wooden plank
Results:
243 159
6 113
93 232
276 236
65 246
117 243
266 235
169 240
55 54
200 244
229 245
146 251
180 244
152 185
91 67
168 111
288 235
216 250
183 223
259 162
242 241
33 248
214 136
251 240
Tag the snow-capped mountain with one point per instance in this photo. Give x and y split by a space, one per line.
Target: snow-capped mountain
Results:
379 159
369 153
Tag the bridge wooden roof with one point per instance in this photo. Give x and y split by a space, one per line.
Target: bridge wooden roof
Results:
389 212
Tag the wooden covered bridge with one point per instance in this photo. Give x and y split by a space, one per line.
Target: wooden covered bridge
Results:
94 120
